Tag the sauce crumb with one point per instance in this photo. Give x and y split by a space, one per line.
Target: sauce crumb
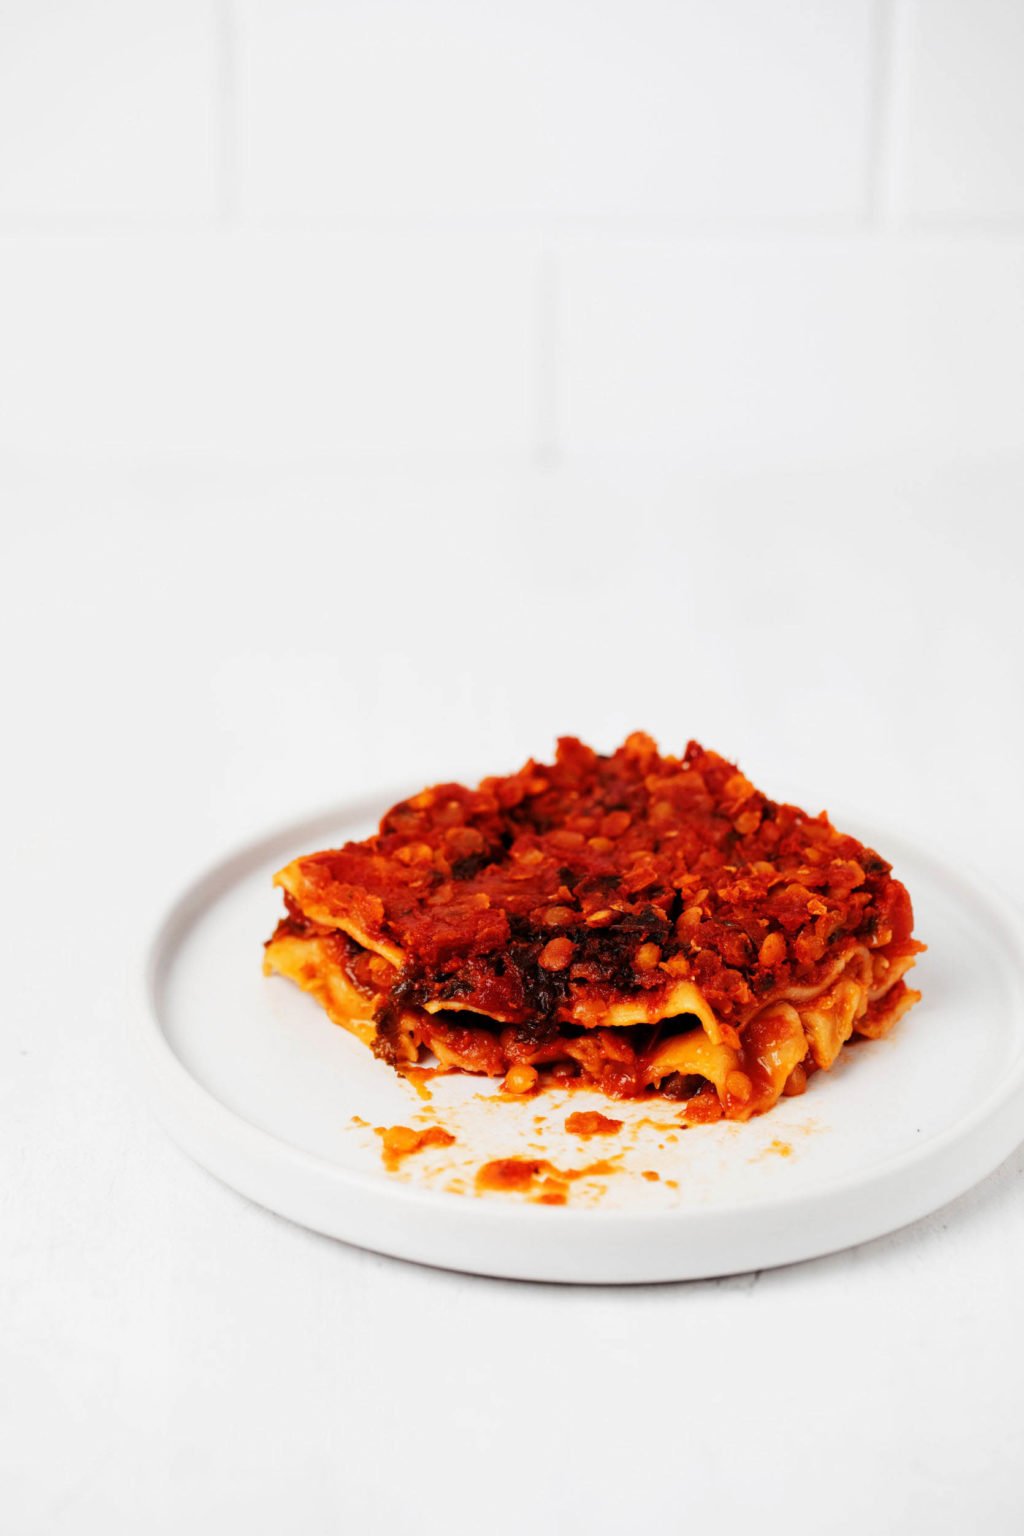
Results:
402 1141
781 1148
671 1183
358 1120
536 1177
651 1176
704 1108
591 1122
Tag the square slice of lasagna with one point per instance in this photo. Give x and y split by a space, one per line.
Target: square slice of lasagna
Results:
633 923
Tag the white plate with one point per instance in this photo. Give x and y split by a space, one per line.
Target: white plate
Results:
251 1078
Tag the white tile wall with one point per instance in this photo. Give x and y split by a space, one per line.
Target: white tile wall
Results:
781 350
266 347
731 232
702 109
109 107
960 125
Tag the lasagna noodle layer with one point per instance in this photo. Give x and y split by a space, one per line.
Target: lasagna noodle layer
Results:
736 1072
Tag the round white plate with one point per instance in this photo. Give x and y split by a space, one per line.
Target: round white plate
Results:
250 1077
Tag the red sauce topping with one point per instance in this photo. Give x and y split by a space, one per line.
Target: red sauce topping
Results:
607 876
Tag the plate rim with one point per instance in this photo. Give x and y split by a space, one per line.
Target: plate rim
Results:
215 1135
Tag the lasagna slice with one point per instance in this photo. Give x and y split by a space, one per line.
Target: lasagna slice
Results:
633 923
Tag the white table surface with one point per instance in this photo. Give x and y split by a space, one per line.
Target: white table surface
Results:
195 654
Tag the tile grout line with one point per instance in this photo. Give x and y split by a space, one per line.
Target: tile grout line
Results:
888 213
547 343
226 31
882 88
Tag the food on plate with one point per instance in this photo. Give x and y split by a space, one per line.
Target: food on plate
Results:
632 923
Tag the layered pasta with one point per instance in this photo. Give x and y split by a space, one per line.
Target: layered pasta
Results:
633 923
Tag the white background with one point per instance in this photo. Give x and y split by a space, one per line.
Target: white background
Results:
384 390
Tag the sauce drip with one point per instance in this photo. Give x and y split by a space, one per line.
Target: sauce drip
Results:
419 1077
